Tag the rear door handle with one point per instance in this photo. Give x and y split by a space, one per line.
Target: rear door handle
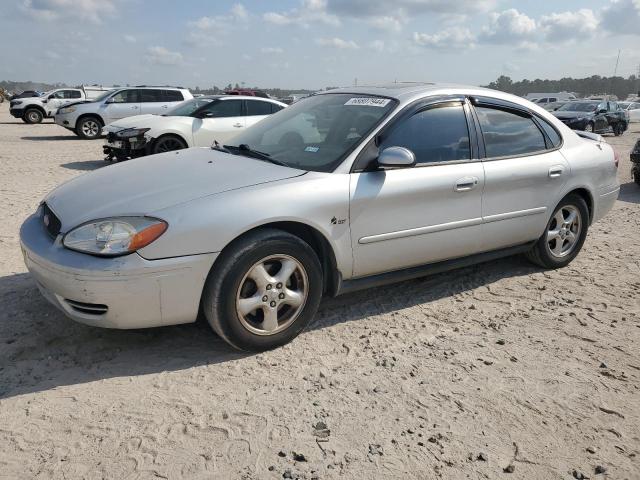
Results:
556 171
466 184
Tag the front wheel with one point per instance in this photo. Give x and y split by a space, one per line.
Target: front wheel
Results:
168 143
89 128
564 236
263 291
588 127
32 116
618 129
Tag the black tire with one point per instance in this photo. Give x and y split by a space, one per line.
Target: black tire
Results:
32 116
541 253
229 274
89 127
618 129
635 173
168 143
589 127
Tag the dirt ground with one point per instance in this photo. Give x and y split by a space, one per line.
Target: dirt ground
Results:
459 375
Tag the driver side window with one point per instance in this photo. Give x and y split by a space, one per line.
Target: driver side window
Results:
437 134
224 108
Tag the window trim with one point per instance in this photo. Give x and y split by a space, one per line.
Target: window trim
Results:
514 108
407 112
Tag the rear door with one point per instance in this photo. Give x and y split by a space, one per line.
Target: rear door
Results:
257 110
125 103
524 173
220 121
158 101
430 212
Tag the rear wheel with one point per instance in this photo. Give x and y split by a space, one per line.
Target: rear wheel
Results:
618 129
588 127
32 116
564 236
89 128
263 291
168 143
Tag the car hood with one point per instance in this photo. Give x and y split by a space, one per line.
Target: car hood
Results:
566 114
144 121
145 185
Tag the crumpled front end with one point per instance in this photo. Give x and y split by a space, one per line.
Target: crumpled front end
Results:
119 146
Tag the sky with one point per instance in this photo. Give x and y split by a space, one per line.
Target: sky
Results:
314 43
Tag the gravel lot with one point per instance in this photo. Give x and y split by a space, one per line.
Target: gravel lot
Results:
459 375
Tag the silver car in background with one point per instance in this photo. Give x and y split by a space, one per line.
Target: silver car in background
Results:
344 190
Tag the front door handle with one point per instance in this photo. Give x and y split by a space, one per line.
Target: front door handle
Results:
556 171
237 125
466 184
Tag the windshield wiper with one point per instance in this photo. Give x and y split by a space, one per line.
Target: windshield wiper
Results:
216 146
244 149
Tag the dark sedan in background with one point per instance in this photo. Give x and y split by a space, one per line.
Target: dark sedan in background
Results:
593 116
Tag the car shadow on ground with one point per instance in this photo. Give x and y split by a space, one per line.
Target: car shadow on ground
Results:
40 349
629 193
85 165
50 137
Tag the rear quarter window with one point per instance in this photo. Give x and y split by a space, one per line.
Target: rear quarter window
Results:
509 133
172 96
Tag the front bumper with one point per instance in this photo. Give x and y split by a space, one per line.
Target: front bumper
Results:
118 149
17 112
65 120
122 292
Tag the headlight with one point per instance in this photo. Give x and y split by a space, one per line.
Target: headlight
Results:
67 110
17 102
132 132
111 237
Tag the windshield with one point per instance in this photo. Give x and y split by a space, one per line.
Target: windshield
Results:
578 107
188 107
318 132
100 98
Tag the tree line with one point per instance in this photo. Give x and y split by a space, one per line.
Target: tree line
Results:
619 86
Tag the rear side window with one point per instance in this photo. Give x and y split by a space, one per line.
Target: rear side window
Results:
275 108
551 132
74 94
149 96
126 96
256 107
507 133
438 134
172 96
224 108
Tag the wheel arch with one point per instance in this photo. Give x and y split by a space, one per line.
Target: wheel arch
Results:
316 240
586 195
171 134
35 107
95 115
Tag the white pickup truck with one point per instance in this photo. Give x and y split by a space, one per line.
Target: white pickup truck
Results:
34 109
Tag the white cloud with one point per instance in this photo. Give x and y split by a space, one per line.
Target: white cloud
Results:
94 11
239 12
129 38
309 12
453 38
162 56
567 26
336 42
509 27
377 45
388 22
272 50
622 17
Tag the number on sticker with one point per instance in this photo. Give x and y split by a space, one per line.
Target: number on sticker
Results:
369 102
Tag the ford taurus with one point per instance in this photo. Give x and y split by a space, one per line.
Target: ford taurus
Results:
344 190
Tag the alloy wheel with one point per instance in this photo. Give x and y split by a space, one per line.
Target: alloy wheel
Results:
564 231
168 145
90 128
272 294
588 128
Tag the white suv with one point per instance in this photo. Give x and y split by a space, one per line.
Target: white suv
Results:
34 109
86 119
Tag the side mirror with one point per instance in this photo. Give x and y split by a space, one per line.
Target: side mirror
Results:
396 157
602 110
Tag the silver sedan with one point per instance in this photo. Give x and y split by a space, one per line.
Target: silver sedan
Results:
344 190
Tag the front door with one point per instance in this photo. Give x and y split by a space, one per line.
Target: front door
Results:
220 121
427 213
524 175
125 103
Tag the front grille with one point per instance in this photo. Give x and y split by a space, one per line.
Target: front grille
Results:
111 137
87 308
50 221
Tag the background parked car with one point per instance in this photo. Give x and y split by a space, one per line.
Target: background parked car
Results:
593 116
25 94
194 123
553 106
35 109
632 109
635 163
88 118
246 93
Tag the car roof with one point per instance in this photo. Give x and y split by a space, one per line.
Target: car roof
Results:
239 97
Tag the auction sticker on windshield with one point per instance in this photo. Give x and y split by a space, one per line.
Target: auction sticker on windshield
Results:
369 102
